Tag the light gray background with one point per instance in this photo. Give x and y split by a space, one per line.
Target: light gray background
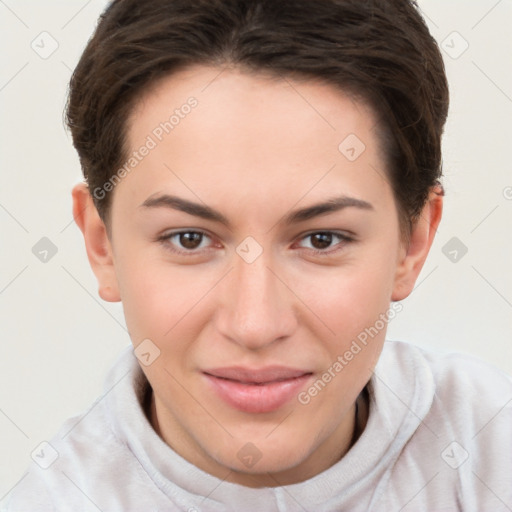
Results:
59 338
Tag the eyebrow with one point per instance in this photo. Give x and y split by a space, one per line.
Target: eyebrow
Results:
331 205
205 212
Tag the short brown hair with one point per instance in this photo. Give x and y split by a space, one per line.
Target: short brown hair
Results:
379 51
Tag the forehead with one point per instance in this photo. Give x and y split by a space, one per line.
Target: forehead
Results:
211 128
226 96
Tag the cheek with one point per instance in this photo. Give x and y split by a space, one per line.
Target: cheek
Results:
350 299
157 298
353 303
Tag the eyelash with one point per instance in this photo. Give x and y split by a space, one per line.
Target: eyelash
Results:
166 241
344 239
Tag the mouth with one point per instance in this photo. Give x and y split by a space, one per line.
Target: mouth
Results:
257 391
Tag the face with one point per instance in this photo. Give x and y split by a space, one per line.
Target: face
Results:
252 244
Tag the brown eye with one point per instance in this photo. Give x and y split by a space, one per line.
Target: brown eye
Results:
190 240
186 241
321 240
325 242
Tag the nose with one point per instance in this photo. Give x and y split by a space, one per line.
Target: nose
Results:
257 307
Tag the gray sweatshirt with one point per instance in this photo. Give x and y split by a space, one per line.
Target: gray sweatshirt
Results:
438 438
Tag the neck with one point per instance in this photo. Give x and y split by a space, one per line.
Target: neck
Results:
325 455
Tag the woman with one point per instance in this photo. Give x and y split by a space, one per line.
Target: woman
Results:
262 190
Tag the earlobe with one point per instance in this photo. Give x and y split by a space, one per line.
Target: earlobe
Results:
97 243
422 235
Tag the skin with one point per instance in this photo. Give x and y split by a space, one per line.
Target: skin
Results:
254 149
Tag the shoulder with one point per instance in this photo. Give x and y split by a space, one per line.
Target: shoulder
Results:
455 375
87 459
55 476
462 445
468 394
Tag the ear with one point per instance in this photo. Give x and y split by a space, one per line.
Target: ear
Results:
413 257
97 243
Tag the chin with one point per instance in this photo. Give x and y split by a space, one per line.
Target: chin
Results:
260 458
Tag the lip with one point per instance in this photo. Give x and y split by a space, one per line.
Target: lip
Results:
257 390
